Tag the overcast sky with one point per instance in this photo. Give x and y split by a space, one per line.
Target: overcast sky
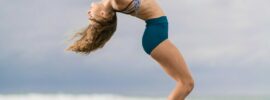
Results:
224 42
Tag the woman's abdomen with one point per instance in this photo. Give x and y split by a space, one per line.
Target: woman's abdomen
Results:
149 9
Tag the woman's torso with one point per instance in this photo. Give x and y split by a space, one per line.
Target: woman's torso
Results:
148 9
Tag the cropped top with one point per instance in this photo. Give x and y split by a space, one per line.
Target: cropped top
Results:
133 6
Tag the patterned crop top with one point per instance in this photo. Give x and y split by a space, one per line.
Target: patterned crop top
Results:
133 6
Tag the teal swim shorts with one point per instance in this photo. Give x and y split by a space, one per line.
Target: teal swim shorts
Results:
156 31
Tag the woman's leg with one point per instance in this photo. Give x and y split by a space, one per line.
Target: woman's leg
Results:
171 60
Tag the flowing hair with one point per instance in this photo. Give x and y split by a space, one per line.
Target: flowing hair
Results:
95 35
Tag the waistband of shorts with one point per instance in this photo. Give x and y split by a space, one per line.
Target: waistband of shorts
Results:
162 19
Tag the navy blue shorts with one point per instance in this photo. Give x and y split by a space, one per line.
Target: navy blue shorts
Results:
155 32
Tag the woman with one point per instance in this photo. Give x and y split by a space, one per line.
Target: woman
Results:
155 42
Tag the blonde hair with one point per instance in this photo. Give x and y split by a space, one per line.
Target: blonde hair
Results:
95 35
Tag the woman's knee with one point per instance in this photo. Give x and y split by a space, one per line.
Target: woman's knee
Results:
187 83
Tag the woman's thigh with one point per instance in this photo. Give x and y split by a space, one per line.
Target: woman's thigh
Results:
171 60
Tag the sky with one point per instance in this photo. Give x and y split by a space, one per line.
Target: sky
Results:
225 43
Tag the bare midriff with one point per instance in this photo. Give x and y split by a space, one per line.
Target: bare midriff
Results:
149 9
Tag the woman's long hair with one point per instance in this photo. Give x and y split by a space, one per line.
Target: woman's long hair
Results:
95 35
